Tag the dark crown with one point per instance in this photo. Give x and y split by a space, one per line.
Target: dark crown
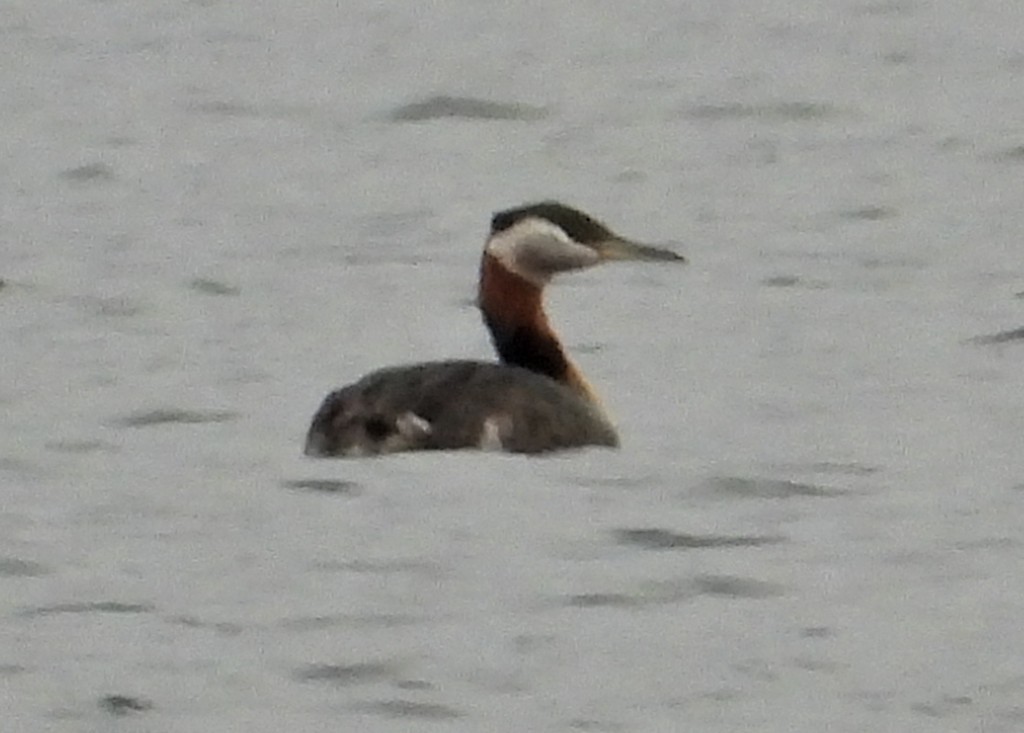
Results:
581 227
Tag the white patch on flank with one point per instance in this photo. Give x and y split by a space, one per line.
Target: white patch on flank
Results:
491 435
411 426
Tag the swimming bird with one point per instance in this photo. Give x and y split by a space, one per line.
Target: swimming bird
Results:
534 399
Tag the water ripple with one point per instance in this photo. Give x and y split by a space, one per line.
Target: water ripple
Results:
771 111
81 446
869 213
124 704
764 488
597 600
206 286
410 709
1014 154
324 486
781 281
676 591
12 567
95 607
662 539
368 620
736 587
466 108
1002 337
225 628
173 415
88 172
348 674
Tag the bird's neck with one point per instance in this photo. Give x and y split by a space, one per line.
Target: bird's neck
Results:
513 309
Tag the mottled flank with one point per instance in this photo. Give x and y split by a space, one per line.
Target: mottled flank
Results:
766 488
454 400
660 539
212 287
1002 337
12 567
348 674
89 172
324 486
771 111
171 416
124 704
410 709
467 108
97 607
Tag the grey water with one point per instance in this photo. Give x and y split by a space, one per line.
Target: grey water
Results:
213 212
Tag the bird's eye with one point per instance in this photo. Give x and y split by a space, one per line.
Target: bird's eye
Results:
377 428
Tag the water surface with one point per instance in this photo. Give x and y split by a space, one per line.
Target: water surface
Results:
212 217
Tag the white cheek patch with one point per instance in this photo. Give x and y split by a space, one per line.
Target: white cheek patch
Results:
536 249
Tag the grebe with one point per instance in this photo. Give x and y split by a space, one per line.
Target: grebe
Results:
534 400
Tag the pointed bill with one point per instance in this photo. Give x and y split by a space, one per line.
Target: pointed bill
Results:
618 248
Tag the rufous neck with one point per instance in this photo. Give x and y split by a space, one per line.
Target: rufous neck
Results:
513 309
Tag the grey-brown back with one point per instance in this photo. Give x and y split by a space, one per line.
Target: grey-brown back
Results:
448 405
